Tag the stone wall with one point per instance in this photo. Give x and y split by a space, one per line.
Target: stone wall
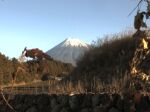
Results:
76 103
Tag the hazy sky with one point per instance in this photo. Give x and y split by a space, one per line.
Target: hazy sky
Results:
45 23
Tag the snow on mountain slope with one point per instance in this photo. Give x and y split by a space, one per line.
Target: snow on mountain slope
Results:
68 51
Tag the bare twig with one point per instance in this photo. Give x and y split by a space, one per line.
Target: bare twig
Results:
135 8
7 103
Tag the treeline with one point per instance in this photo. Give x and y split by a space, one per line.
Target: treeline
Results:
30 70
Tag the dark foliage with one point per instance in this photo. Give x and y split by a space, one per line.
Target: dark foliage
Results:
107 60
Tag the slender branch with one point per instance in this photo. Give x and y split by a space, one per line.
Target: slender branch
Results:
7 103
135 8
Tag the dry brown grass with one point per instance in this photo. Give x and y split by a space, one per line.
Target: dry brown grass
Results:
69 87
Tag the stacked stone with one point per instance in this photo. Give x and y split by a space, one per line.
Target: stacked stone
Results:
78 103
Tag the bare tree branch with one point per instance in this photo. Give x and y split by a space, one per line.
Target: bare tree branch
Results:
135 8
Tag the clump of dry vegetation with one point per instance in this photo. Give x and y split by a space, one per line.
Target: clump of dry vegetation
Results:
95 86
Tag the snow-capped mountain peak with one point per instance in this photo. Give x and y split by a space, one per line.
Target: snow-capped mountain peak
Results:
69 51
74 42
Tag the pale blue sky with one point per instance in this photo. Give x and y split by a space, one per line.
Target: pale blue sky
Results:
45 23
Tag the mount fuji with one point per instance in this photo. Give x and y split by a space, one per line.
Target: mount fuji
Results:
69 51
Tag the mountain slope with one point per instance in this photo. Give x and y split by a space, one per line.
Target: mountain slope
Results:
68 51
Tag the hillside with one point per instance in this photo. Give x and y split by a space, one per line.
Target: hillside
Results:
110 59
32 70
